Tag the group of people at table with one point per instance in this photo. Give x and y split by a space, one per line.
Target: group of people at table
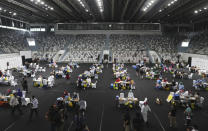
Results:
43 82
71 100
200 84
130 101
63 72
123 80
164 84
183 98
7 78
85 80
14 94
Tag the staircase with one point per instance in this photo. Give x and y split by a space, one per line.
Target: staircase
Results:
67 49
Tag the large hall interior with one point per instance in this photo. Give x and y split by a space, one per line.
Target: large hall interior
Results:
103 65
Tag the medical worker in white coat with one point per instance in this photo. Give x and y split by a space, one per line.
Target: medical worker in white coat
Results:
144 110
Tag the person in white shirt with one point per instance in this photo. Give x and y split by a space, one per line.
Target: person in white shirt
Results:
34 107
144 110
130 94
15 105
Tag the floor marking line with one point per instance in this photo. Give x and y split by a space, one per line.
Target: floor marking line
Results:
11 125
101 122
158 121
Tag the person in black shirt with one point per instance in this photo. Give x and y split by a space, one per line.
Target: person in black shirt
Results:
127 122
172 116
24 84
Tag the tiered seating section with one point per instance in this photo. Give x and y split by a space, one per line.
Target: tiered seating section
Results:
86 48
127 48
12 41
198 44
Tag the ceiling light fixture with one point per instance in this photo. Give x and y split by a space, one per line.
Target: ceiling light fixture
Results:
148 4
195 11
169 4
100 5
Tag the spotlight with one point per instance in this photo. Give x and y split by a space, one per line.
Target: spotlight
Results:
195 11
0 8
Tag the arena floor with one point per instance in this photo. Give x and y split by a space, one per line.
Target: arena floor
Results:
102 114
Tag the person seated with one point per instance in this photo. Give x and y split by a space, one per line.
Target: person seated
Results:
40 78
45 82
65 92
181 86
164 83
117 74
174 86
67 75
88 81
75 96
165 80
130 94
118 80
158 81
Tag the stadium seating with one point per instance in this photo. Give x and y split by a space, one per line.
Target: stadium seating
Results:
198 44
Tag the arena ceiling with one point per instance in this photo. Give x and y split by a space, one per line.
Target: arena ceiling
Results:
53 11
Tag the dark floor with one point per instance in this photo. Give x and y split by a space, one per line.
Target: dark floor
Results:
102 114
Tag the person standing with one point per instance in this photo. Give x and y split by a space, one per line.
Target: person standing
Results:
15 104
172 116
144 111
141 71
24 84
34 107
188 115
127 120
